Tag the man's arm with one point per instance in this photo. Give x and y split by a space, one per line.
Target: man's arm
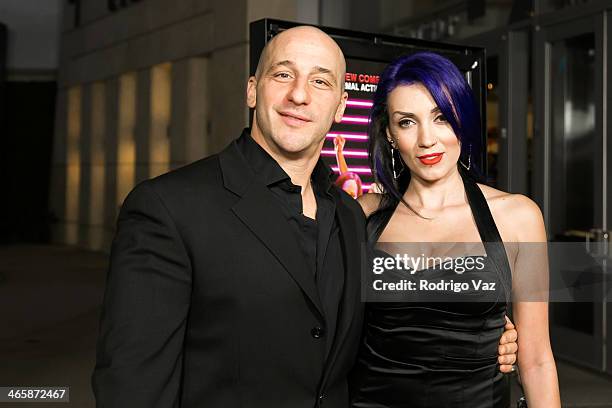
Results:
148 289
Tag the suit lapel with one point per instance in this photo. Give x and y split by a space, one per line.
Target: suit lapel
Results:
350 298
260 211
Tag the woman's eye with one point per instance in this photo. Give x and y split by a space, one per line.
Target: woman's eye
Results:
440 118
405 123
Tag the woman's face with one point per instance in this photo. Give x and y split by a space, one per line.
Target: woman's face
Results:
420 132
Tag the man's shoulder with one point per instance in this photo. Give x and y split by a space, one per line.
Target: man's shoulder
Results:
350 203
205 170
201 178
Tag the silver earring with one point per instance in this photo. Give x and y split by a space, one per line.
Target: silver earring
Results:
395 174
469 159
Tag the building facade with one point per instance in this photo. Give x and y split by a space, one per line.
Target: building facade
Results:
145 87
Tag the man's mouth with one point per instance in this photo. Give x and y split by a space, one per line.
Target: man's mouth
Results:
294 119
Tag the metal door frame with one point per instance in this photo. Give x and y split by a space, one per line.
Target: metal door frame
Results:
511 46
607 181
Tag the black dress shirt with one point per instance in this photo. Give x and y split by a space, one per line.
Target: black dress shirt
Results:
318 238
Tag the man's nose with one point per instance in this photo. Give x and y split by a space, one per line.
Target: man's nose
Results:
299 93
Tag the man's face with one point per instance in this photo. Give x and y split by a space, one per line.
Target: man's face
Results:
299 92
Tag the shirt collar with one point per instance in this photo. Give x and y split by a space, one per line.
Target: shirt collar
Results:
270 172
264 165
322 176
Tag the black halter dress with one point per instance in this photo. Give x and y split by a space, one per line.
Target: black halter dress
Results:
439 354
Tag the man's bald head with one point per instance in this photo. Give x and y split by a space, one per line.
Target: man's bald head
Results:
297 92
300 33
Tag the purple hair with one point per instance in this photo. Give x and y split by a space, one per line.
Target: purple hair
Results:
451 93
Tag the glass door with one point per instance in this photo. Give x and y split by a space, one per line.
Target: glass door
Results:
571 173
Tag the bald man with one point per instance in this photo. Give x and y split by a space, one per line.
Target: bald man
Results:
234 281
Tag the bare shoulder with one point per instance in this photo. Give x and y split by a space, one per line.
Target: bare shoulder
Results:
511 205
516 215
369 202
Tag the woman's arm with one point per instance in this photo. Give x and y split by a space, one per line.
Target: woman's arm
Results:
369 203
530 290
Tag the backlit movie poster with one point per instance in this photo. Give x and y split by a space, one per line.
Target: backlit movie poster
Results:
345 148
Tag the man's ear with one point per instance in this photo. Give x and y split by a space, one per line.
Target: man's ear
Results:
341 108
251 94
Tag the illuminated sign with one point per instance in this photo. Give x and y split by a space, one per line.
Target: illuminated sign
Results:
345 148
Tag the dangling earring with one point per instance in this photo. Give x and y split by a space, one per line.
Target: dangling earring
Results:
469 159
395 174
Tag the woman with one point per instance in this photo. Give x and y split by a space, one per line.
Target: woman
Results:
423 139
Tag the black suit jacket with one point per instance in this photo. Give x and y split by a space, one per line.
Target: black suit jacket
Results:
208 305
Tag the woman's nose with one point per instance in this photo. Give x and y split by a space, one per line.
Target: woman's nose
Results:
426 137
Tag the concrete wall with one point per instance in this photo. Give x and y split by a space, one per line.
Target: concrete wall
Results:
147 88
33 35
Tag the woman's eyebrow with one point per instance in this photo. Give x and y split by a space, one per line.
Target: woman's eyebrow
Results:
401 113
436 109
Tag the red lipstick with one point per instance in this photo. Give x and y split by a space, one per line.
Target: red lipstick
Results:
430 159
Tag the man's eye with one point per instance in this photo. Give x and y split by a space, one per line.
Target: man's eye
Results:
320 82
282 75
